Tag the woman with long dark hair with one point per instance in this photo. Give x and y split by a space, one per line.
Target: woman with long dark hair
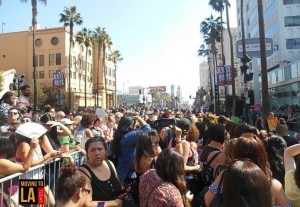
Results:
251 147
165 185
245 184
124 142
7 101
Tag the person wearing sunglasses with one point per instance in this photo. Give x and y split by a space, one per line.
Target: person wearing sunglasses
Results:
72 179
13 118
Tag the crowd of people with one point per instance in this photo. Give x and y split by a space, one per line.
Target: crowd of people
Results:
151 157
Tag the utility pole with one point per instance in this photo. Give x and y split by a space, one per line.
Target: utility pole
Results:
263 62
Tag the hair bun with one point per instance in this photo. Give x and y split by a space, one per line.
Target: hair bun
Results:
68 169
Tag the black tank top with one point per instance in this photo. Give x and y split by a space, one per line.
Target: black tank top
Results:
104 190
206 151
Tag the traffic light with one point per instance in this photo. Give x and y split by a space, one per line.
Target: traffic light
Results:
140 91
245 59
235 72
244 69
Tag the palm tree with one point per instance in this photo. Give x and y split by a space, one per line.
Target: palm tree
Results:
115 57
106 44
99 35
34 22
70 17
211 28
204 52
85 36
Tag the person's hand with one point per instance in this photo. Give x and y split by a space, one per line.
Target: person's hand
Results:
119 202
53 123
189 195
34 143
178 133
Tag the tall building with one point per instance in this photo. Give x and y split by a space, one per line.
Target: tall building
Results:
52 51
282 23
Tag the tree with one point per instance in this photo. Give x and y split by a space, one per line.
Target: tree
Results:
210 28
106 44
34 22
200 94
70 17
219 5
115 57
99 35
85 36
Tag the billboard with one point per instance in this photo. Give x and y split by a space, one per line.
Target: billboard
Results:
158 88
221 71
253 47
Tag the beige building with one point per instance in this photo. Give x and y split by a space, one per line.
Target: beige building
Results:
52 51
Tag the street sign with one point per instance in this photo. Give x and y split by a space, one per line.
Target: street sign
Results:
59 102
59 96
58 80
253 47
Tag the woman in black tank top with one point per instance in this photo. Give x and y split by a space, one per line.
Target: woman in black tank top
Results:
101 175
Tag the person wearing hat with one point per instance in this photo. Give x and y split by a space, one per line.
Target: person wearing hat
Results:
67 140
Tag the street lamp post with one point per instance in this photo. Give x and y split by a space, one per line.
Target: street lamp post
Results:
18 81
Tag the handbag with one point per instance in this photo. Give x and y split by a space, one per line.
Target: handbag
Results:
218 198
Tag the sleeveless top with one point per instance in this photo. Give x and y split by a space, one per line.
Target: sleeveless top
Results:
104 190
206 151
35 174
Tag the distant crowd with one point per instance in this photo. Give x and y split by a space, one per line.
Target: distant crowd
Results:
150 157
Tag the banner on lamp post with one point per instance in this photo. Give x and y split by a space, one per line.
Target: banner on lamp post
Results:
221 72
59 80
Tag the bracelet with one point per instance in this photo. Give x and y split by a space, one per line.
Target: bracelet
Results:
178 144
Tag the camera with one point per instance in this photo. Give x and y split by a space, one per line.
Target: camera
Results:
164 122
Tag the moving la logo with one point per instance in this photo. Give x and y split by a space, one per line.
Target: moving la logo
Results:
31 191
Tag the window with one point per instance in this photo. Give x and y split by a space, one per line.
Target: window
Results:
51 59
292 21
285 2
74 75
294 71
73 61
51 73
38 42
293 43
54 41
58 58
42 74
79 77
41 60
36 60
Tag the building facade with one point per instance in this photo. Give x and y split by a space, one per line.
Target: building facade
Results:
282 25
52 52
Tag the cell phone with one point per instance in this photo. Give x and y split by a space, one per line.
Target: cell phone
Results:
77 143
101 204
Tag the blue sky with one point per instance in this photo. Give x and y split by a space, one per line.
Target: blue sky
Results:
158 39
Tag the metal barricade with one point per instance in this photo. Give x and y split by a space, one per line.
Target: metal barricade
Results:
49 172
